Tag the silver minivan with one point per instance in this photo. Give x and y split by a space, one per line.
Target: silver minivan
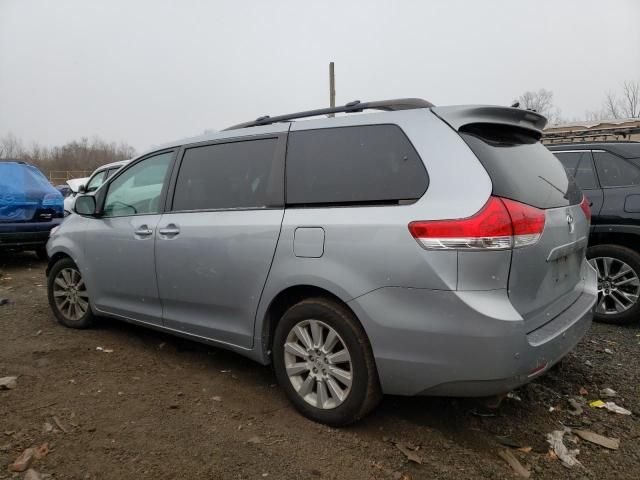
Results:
419 250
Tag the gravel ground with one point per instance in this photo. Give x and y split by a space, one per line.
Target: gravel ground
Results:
161 407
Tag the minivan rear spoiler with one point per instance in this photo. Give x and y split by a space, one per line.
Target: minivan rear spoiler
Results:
458 116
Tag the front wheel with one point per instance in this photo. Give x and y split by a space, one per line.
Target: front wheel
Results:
68 296
618 283
324 363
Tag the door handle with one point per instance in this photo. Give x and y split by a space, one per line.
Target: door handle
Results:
169 231
143 231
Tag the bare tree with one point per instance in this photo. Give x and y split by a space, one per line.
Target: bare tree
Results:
541 102
627 105
630 102
11 147
597 115
612 106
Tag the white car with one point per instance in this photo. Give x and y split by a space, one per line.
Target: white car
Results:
90 184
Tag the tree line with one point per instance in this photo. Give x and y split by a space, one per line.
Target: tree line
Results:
624 103
78 155
87 154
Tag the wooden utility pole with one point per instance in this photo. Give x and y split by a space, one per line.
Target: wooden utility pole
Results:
332 88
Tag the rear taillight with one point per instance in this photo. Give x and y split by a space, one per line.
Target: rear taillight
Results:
586 208
528 222
500 225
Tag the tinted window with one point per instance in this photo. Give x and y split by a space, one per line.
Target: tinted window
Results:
520 167
585 174
137 191
569 160
364 164
230 175
580 166
614 171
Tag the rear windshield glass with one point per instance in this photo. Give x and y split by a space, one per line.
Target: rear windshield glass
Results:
520 167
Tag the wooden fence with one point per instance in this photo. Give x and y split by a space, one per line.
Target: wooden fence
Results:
57 177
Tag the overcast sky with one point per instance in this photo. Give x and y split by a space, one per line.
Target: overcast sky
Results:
146 72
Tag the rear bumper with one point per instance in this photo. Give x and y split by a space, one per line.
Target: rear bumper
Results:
473 344
26 234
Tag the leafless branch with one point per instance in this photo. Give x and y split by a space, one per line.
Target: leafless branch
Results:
630 102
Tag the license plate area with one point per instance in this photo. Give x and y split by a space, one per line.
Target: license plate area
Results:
566 269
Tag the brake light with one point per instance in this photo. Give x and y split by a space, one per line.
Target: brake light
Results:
528 222
500 225
584 205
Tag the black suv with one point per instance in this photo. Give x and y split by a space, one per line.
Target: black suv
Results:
609 175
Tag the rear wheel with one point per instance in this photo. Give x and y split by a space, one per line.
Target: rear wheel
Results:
324 363
618 283
68 296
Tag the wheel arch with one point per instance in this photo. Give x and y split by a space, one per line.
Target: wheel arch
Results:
624 238
55 259
285 299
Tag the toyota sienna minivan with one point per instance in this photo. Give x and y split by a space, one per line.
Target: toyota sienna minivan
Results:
419 250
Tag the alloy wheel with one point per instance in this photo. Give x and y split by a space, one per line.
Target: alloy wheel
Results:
70 294
318 364
618 285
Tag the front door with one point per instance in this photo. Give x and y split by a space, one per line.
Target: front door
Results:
215 246
119 245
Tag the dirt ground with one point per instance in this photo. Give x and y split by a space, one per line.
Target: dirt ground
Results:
161 407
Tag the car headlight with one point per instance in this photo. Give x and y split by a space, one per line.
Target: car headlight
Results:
53 231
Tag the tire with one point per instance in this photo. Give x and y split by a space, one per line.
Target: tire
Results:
609 306
319 317
65 283
41 253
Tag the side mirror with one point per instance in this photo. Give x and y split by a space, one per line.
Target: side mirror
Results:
85 205
82 188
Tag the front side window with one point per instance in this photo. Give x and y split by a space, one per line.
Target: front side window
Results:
137 191
96 181
245 174
614 171
368 164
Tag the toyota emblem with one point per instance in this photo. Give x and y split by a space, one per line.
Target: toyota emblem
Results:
570 222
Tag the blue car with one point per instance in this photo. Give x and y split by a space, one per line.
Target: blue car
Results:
29 207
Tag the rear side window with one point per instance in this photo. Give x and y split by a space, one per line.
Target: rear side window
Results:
369 164
585 174
569 160
520 167
614 171
244 174
580 166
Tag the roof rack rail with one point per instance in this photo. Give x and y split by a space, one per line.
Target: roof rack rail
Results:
351 107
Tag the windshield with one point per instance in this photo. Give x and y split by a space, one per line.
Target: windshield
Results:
521 168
